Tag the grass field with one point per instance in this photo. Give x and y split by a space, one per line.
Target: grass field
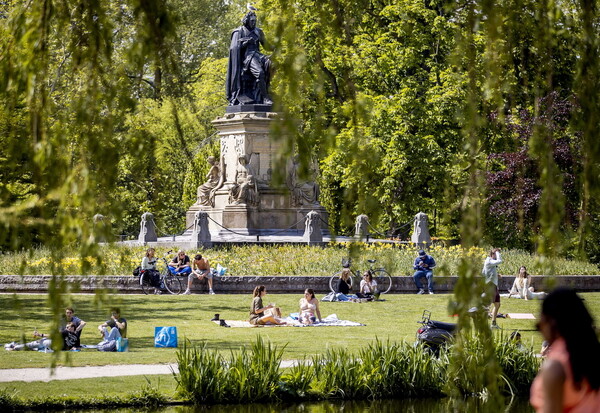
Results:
394 319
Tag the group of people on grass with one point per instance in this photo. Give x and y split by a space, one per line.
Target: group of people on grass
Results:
180 265
367 290
261 314
521 288
71 326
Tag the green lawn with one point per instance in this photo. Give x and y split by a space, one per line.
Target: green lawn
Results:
91 388
394 319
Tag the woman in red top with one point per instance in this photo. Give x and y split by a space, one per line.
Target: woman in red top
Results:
569 380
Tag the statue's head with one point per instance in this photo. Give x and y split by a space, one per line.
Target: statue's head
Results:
211 160
249 20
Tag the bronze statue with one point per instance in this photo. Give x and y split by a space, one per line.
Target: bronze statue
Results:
249 71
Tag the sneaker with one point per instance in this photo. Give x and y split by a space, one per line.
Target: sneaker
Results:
187 292
224 324
215 318
430 292
421 292
157 292
211 292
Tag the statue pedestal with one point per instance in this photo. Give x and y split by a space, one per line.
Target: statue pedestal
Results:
247 134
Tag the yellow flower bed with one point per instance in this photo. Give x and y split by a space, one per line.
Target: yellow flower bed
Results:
286 259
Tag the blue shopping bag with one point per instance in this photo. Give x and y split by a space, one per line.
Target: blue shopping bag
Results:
122 344
165 336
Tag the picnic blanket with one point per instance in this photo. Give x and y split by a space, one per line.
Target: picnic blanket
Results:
520 316
329 321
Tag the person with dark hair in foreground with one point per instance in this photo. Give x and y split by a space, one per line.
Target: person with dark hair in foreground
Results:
569 379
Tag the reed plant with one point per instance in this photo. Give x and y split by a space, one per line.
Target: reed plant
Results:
202 374
378 371
296 382
519 365
251 375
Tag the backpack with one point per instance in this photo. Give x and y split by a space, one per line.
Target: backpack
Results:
137 271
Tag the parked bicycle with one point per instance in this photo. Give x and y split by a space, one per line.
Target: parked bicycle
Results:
380 275
171 282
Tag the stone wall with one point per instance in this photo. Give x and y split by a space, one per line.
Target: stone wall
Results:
245 285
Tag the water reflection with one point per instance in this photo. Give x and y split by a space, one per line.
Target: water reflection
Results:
409 406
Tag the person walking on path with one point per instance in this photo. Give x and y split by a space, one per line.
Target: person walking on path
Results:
424 265
490 272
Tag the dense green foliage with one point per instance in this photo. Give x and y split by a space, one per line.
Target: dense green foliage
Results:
378 371
107 108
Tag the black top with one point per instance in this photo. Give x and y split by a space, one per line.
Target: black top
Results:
71 339
186 260
343 287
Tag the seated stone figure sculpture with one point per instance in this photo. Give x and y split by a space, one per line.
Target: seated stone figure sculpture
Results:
303 191
245 188
206 191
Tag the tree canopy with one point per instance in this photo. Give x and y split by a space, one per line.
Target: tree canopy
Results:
406 105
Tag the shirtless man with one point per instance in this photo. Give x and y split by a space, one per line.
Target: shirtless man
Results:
200 269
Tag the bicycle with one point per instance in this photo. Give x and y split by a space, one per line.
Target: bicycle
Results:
171 281
380 275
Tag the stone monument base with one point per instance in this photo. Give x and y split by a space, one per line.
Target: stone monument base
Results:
243 219
245 134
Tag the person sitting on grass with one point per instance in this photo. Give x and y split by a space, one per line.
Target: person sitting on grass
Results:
309 307
118 329
200 270
522 286
368 286
258 312
69 334
180 264
70 317
344 283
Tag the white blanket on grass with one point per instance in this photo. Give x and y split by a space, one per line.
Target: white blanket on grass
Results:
329 321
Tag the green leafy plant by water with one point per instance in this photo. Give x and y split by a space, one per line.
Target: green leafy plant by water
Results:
380 370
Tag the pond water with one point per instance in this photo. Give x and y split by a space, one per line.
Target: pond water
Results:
412 406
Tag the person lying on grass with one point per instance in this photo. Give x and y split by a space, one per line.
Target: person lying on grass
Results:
70 337
259 314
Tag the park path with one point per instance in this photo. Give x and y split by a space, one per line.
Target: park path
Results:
88 372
